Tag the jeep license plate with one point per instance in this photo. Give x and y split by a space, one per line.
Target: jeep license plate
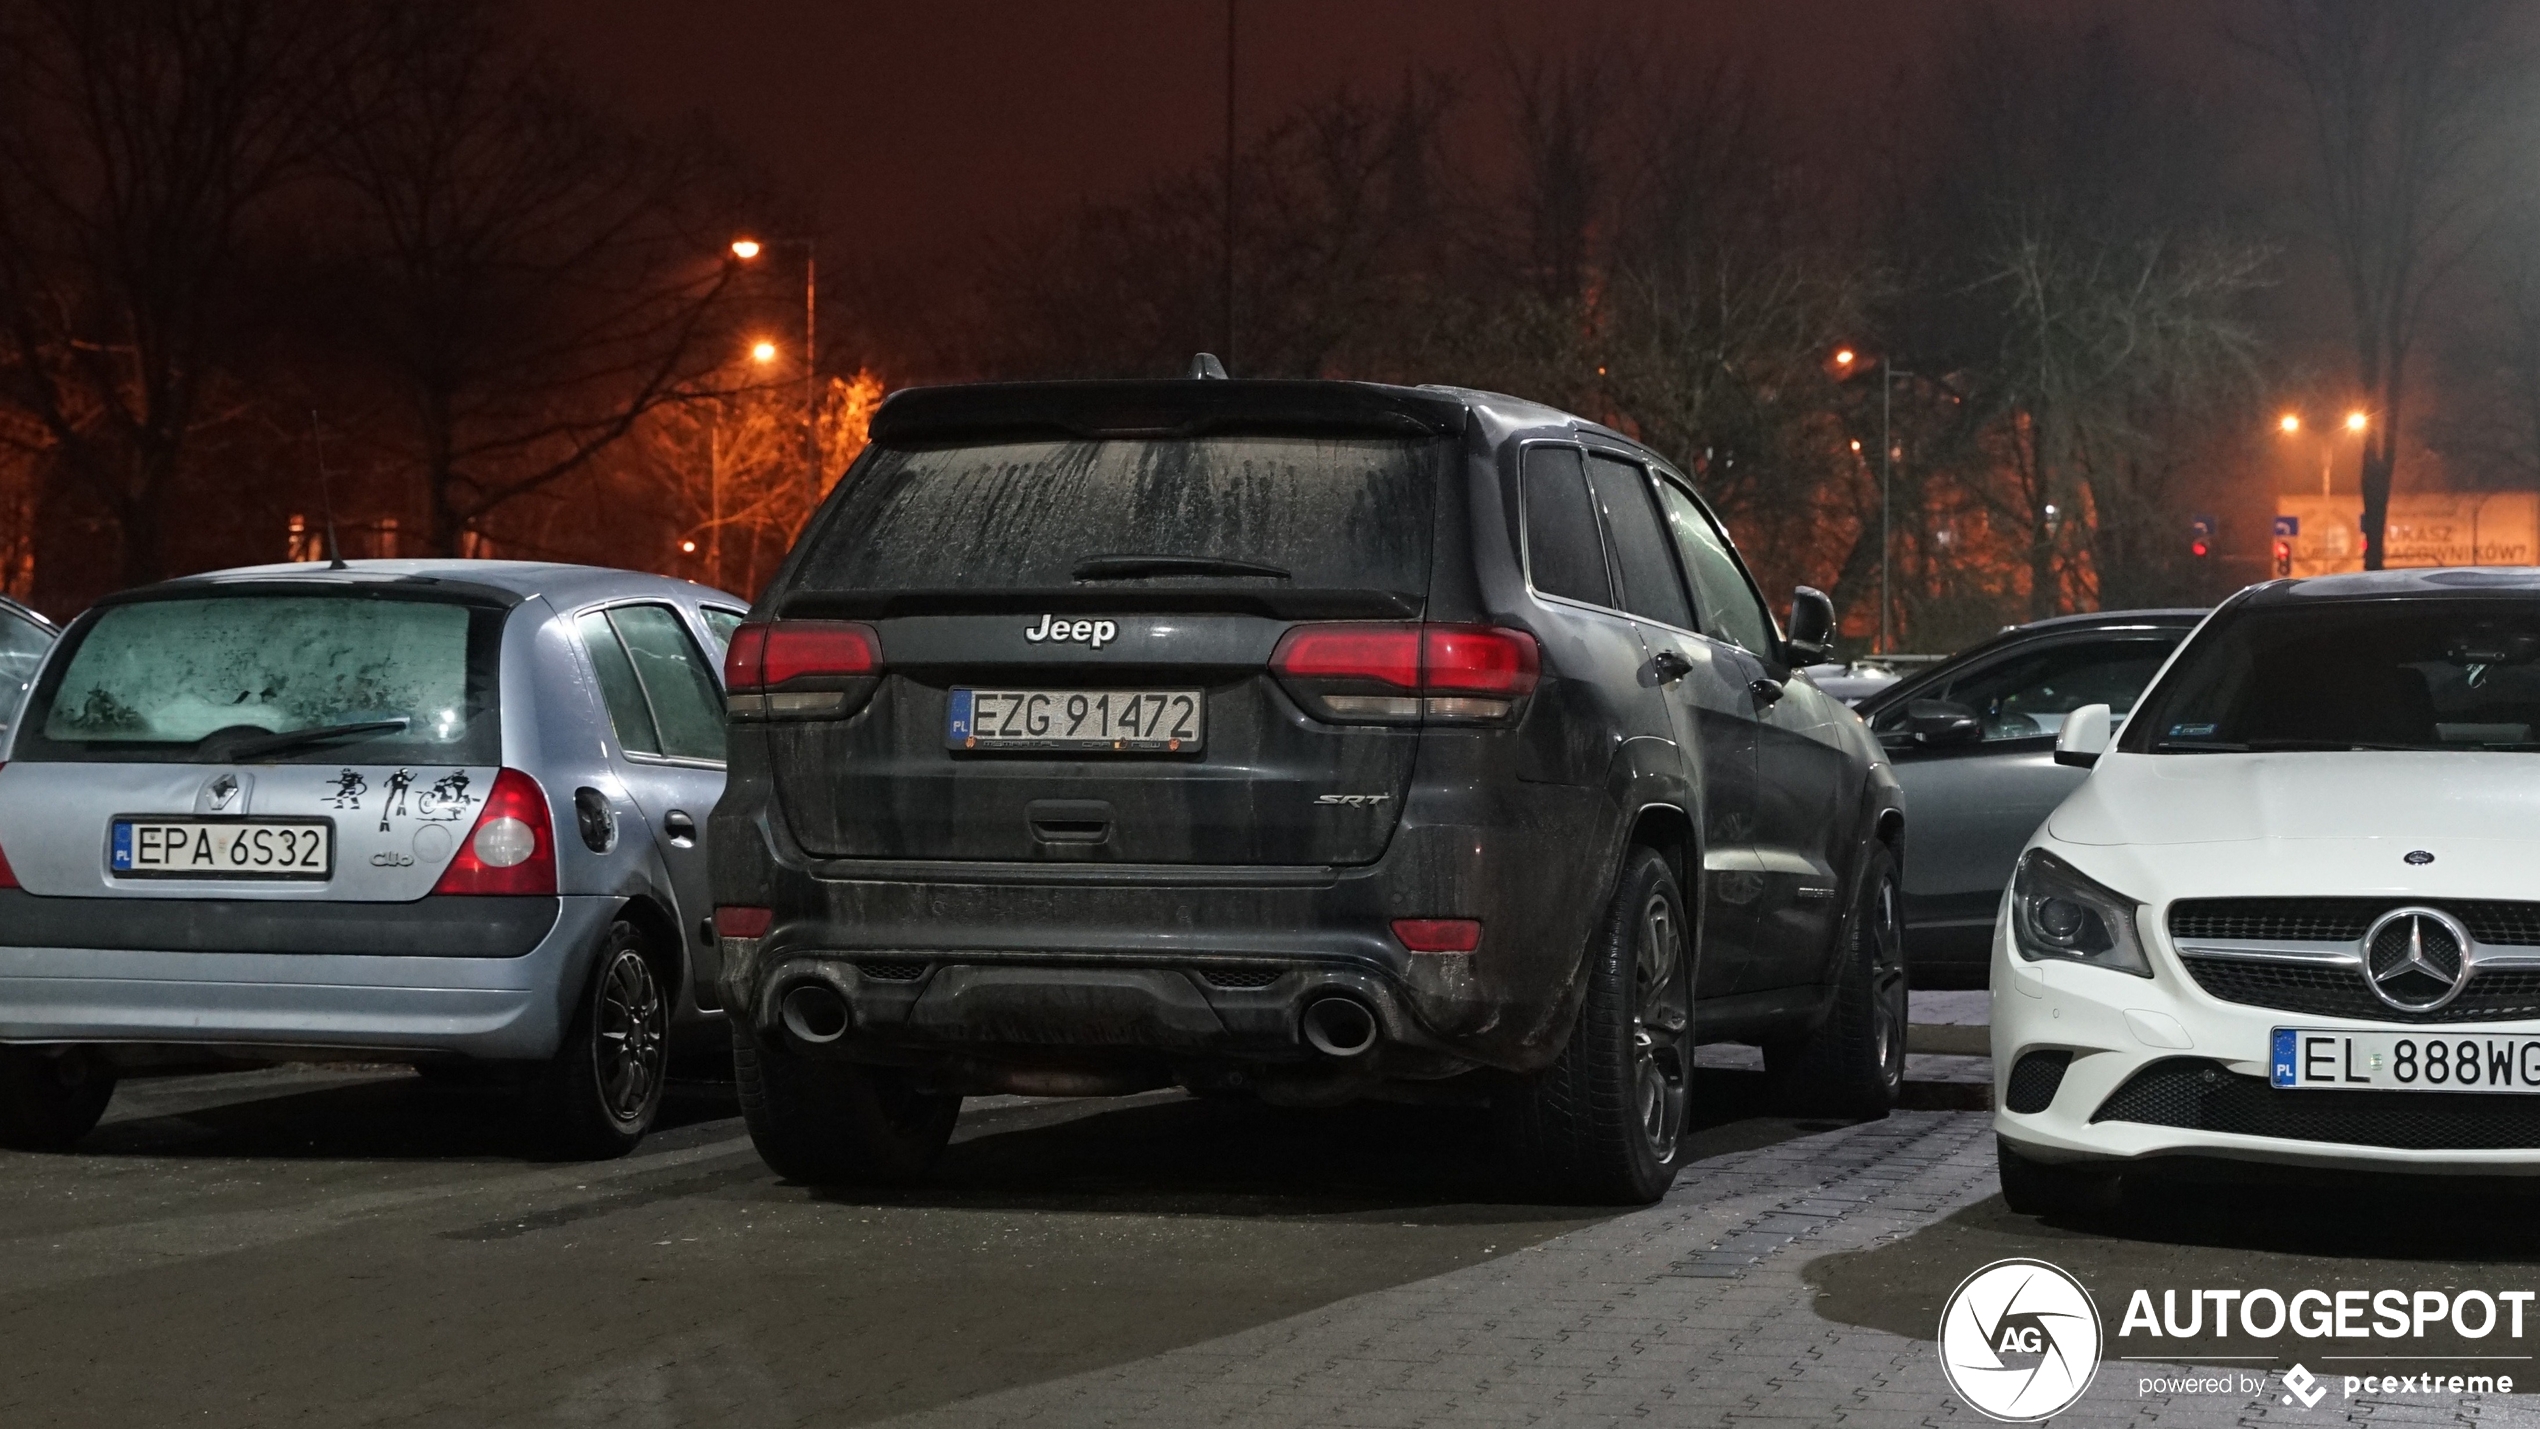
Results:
1120 721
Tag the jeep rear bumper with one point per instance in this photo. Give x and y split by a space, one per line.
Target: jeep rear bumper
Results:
1192 965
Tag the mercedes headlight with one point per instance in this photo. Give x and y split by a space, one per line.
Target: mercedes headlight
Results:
2058 913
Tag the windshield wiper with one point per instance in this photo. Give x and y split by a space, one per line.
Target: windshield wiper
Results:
2334 744
321 734
1124 568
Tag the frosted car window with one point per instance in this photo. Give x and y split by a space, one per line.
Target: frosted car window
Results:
22 647
153 678
1334 513
687 709
720 624
620 690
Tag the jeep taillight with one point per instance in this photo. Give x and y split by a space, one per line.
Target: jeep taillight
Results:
1366 672
512 849
801 669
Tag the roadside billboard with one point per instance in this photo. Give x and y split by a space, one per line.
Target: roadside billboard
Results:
2427 528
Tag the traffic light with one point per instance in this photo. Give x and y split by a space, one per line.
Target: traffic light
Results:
2283 557
2200 537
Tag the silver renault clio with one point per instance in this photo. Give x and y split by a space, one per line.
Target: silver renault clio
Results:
449 812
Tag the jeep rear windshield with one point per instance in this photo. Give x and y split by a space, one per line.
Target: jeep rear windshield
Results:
2352 674
217 678
1218 512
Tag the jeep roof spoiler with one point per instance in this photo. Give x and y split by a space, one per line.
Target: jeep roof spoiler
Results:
1176 407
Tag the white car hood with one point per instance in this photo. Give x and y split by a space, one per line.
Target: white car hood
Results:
2224 825
2358 794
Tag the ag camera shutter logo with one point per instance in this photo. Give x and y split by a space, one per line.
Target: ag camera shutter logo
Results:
2019 1340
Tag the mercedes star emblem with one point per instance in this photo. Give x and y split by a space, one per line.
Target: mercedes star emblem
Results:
2417 959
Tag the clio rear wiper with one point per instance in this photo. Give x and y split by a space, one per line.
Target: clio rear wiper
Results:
1124 568
321 734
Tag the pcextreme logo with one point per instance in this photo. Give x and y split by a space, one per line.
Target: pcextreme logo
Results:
2019 1340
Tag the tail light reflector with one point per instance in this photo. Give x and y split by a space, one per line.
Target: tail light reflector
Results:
801 668
1387 673
733 921
512 848
1438 935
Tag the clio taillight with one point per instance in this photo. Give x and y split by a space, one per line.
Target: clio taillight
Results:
512 849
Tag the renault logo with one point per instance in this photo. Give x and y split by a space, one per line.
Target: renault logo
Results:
2416 958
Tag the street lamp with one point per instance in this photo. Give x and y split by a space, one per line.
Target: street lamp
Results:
762 351
1887 476
2356 424
747 249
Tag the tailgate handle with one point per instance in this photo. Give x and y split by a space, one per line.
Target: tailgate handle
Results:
1070 821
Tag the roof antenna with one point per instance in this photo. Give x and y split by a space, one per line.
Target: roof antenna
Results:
1206 365
326 493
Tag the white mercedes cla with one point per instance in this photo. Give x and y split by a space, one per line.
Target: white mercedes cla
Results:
2293 915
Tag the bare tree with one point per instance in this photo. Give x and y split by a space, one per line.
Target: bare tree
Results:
2398 107
534 278
140 144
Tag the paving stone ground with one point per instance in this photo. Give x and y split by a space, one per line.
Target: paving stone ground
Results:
1691 1313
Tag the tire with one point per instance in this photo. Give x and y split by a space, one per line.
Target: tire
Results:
825 1122
50 1097
597 1097
2041 1188
1603 1125
1853 1064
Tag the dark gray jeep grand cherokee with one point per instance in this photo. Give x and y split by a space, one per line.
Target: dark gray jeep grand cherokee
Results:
1311 740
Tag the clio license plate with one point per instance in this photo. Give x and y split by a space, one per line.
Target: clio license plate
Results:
220 848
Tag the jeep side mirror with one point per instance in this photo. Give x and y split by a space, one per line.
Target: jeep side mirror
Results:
1940 724
1811 638
2084 737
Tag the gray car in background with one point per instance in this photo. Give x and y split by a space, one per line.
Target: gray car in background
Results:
1973 744
447 811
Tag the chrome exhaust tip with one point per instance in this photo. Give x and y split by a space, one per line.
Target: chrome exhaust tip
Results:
815 1014
1339 1026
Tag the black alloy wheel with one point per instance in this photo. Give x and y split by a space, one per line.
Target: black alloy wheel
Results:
1853 1064
1602 1124
600 1093
1661 1014
632 1045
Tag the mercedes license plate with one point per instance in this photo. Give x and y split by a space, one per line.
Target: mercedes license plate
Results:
1142 721
220 848
2316 1059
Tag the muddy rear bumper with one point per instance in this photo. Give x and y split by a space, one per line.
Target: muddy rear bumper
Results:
1191 965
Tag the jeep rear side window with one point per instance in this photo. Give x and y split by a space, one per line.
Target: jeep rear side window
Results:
1651 588
1563 552
1340 512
